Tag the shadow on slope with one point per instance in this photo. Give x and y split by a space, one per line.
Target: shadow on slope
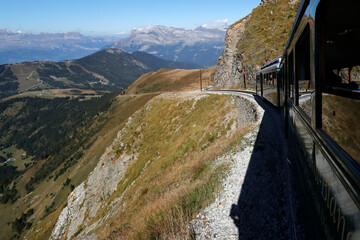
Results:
261 212
265 209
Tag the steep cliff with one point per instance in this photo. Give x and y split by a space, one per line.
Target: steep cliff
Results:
229 69
251 41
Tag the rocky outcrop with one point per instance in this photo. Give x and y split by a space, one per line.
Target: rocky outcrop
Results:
229 69
253 40
86 200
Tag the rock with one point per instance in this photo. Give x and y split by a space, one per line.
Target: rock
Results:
241 59
61 224
229 67
86 199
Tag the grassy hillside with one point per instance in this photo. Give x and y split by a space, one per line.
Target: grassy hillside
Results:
171 145
170 80
173 176
267 30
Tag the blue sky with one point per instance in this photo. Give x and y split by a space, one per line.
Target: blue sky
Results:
107 17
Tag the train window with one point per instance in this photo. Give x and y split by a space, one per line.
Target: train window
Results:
258 85
305 88
283 76
274 80
269 87
340 74
348 78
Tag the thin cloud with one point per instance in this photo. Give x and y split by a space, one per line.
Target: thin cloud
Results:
120 33
217 23
220 21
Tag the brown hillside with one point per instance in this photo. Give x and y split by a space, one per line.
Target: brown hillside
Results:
171 80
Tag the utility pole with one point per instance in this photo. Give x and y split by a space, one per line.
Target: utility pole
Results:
209 81
245 70
245 76
200 81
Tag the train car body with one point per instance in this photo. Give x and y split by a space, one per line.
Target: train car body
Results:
319 96
267 81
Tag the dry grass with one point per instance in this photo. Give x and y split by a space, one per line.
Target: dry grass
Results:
22 72
267 28
173 176
171 80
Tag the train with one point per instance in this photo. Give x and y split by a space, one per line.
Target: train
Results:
315 86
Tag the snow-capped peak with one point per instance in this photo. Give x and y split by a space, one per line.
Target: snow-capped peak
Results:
162 35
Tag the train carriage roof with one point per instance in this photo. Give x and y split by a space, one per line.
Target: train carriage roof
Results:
271 66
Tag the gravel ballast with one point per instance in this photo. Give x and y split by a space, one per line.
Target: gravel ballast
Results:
255 201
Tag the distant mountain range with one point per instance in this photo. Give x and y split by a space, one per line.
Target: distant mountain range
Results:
18 47
202 45
107 69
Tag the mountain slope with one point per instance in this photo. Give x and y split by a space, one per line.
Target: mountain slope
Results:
250 41
18 47
171 80
107 69
158 173
201 45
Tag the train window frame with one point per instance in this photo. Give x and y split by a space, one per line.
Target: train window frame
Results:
303 71
284 74
332 52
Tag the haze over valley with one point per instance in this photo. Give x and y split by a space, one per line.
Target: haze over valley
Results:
16 46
